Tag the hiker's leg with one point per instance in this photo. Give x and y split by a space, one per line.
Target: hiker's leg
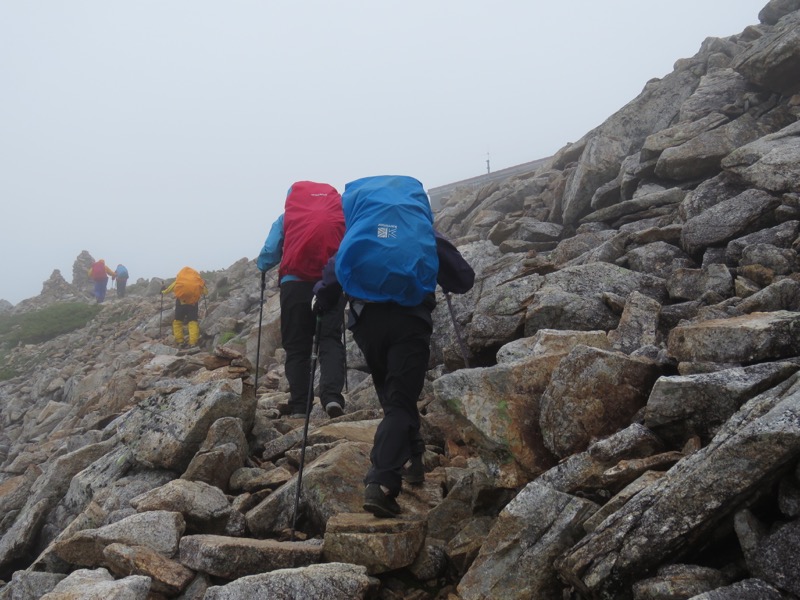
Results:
181 316
190 317
398 345
194 332
331 356
297 335
177 331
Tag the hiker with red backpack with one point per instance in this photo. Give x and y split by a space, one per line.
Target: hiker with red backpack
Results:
388 265
99 274
301 241
188 288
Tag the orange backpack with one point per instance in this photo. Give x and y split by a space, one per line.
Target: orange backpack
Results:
188 285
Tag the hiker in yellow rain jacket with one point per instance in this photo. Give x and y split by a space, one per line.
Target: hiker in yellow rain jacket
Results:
188 287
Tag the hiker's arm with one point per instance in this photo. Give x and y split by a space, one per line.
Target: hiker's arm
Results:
169 288
328 290
272 251
455 275
111 273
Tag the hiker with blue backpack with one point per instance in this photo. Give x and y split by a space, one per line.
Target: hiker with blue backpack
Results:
122 280
388 265
301 241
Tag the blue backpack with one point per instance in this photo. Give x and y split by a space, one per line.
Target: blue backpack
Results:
388 253
122 272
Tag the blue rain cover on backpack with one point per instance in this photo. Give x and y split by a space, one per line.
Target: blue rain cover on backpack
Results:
388 253
121 271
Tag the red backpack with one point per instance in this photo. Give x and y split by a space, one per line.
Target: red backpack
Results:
313 227
99 271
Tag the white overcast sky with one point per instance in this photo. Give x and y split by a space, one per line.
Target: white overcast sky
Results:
164 133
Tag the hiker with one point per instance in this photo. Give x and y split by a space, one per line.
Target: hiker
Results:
122 280
188 287
302 240
99 274
388 265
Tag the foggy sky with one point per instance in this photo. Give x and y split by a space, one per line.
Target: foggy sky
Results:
164 133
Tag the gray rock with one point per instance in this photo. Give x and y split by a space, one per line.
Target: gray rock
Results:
572 413
743 457
224 450
333 581
30 585
232 558
775 559
638 325
202 505
701 156
159 530
748 338
747 589
774 60
656 258
693 284
769 163
775 9
85 584
717 88
167 432
728 220
680 407
380 545
516 560
678 581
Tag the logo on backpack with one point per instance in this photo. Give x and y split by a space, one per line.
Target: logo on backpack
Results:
387 231
388 253
188 286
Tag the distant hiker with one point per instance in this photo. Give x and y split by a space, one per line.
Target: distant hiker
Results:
122 280
388 264
302 240
188 287
99 274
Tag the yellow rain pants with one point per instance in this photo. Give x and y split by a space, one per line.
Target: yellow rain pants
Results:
177 331
194 333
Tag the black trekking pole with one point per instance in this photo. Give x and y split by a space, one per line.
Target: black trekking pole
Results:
344 345
160 311
458 333
309 404
260 315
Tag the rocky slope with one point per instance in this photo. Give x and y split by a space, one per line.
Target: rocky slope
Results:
628 426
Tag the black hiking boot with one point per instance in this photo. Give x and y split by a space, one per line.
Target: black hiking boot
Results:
334 409
380 504
414 473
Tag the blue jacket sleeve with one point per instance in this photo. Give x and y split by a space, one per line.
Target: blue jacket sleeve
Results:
455 275
272 251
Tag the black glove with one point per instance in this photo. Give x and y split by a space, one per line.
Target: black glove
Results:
318 306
